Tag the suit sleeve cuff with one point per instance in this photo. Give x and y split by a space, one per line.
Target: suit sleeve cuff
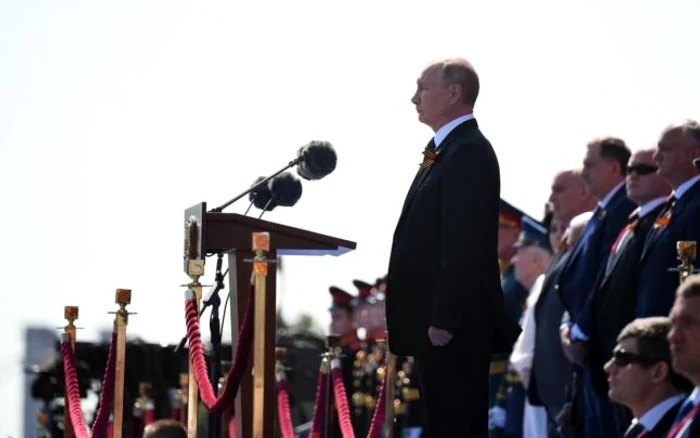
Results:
578 334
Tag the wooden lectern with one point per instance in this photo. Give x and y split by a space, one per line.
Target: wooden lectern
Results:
209 232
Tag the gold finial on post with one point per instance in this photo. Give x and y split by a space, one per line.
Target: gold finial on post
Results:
687 251
121 319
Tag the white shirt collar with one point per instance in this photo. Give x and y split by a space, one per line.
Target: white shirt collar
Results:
606 199
685 186
652 417
695 396
649 206
443 132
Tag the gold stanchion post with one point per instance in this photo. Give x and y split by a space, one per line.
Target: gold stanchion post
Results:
70 313
195 269
328 357
122 298
389 392
261 245
687 251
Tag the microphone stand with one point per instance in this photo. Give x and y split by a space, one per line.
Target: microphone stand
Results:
220 208
215 359
206 302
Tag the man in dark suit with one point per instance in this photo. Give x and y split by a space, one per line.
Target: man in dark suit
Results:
550 376
680 220
684 338
616 292
641 377
444 303
604 170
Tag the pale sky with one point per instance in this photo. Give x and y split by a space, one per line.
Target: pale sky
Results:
114 118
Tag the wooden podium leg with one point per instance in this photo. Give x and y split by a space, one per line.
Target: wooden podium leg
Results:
240 270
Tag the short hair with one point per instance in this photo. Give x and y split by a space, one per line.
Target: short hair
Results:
613 149
459 71
651 335
690 287
691 129
165 429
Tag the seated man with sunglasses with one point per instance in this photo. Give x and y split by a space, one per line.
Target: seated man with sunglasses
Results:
642 378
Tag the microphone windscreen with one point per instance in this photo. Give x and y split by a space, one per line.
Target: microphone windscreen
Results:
261 195
318 159
286 189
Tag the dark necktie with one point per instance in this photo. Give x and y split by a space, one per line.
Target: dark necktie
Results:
429 155
668 205
636 431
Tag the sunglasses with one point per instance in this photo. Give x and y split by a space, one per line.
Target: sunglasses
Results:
641 169
623 358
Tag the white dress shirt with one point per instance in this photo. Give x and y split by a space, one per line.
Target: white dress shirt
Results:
443 132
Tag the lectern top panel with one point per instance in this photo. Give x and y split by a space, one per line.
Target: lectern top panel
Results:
222 232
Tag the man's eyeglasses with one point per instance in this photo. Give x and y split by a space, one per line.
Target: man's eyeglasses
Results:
641 169
623 358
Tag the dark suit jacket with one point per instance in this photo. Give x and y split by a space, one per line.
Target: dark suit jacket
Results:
657 286
589 256
551 371
692 431
664 425
614 298
443 269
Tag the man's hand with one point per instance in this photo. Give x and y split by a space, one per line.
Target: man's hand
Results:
574 350
439 337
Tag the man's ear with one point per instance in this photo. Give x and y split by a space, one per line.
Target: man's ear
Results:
659 372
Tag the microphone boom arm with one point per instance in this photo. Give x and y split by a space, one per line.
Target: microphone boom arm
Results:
221 208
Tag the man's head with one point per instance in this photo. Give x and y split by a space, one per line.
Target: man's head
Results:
678 146
533 252
684 336
640 372
604 165
165 429
510 224
341 311
446 90
569 196
643 182
556 230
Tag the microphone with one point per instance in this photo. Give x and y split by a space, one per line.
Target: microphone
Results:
317 160
283 190
261 196
696 163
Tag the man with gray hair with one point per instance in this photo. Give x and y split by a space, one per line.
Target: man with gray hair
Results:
444 301
679 220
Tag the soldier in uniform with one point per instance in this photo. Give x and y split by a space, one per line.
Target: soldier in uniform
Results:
509 228
348 345
370 357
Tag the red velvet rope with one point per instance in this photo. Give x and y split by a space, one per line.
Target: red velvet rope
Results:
319 409
100 426
284 410
196 352
375 428
232 429
341 402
